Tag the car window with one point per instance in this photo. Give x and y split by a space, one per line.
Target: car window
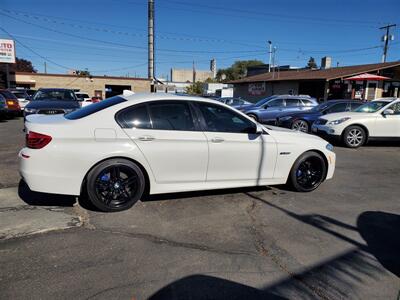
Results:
93 108
396 108
171 116
292 102
19 94
307 102
134 117
355 105
275 103
339 107
221 119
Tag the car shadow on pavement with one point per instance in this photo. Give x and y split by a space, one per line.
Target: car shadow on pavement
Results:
43 199
194 194
333 278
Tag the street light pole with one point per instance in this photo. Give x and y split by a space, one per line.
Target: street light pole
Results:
151 42
270 56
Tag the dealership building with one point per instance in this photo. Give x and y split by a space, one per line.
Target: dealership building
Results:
98 86
365 82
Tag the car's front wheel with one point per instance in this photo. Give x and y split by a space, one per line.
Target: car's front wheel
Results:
301 125
308 172
115 185
354 136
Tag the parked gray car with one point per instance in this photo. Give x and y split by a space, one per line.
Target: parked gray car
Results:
270 109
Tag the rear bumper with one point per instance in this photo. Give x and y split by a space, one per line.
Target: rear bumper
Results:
44 177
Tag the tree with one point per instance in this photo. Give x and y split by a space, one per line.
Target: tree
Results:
195 89
22 65
237 70
311 63
82 72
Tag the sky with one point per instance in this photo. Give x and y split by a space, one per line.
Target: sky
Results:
110 36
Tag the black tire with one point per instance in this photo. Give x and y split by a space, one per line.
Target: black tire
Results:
115 185
308 172
301 125
254 117
354 136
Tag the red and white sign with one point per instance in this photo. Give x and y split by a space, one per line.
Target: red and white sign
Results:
7 51
257 88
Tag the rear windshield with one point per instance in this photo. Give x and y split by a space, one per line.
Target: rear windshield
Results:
93 108
8 95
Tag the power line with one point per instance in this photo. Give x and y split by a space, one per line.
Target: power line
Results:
33 51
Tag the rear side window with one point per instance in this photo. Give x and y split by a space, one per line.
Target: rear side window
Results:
93 108
307 102
171 116
134 117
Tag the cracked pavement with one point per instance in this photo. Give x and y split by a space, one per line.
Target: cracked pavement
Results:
339 242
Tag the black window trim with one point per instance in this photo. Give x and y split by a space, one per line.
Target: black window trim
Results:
147 105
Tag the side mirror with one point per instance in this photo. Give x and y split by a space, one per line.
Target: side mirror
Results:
388 112
259 129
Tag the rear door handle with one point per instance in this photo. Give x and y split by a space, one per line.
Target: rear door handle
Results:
217 140
146 138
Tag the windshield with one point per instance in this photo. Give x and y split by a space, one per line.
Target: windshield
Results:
55 95
19 94
371 107
262 101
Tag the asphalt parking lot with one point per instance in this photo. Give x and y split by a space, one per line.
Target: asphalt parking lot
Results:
339 242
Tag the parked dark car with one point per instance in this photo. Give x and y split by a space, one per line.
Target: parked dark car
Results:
52 101
12 108
267 112
303 120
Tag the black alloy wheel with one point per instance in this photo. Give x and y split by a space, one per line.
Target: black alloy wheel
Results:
308 172
115 185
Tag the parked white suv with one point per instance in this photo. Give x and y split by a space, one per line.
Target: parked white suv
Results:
378 119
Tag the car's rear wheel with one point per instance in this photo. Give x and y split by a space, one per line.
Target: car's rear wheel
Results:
301 125
354 136
115 185
254 117
308 172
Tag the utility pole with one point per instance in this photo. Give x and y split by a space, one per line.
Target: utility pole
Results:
151 43
45 68
386 39
270 56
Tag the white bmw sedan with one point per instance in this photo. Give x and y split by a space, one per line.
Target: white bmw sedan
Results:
120 148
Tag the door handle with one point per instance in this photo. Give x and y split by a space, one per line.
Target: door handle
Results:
146 138
217 140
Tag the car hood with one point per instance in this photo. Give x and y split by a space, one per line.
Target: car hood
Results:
283 134
353 115
53 104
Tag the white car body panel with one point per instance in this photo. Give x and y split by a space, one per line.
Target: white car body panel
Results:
175 161
377 124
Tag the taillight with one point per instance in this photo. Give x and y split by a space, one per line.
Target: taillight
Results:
36 140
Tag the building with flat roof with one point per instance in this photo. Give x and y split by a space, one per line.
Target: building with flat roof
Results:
326 83
98 86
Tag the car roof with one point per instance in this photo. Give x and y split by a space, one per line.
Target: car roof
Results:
54 89
143 97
